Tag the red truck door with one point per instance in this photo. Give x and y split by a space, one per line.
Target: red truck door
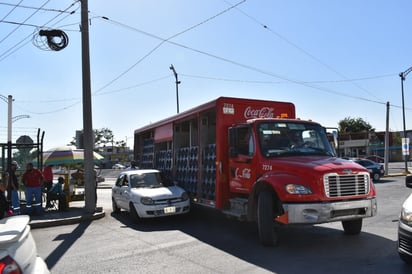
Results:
242 149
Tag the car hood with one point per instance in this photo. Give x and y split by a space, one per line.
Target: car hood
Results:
159 192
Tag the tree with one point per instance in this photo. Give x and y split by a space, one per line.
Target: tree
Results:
102 137
354 125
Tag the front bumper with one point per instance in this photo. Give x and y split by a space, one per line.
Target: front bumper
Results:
405 239
316 213
151 211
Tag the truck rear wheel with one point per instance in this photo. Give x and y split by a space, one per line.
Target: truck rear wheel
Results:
352 227
267 232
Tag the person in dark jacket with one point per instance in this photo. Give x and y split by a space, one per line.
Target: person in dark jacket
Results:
13 188
4 205
57 193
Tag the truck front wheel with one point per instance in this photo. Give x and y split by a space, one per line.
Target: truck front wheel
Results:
267 232
352 227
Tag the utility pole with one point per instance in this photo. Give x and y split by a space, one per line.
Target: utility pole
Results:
89 176
386 155
177 86
405 140
9 122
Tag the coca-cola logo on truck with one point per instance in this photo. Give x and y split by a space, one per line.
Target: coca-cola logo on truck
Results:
264 112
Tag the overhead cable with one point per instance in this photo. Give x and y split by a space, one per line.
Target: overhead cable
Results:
302 50
27 39
15 29
161 43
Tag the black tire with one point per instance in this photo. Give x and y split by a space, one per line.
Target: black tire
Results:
352 227
376 177
408 181
265 216
133 213
406 258
115 208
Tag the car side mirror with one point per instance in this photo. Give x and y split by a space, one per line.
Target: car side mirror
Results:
408 181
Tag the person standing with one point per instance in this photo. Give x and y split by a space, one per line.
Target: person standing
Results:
32 179
13 187
47 180
3 201
133 166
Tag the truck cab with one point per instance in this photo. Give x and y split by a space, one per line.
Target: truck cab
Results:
288 165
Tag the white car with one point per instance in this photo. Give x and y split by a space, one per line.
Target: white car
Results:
145 194
18 252
405 227
118 166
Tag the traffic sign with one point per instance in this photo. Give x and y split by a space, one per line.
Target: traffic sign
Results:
405 146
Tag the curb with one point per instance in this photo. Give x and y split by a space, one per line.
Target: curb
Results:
67 220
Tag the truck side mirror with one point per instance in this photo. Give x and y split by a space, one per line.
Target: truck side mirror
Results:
408 181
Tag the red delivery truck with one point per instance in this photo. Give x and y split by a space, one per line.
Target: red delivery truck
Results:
254 160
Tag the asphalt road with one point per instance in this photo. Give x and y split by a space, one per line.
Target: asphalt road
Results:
207 242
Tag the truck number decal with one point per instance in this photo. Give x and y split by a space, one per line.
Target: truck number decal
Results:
266 167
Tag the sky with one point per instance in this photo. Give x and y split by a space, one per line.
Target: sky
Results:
332 59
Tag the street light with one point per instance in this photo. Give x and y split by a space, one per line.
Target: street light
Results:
18 117
406 144
177 86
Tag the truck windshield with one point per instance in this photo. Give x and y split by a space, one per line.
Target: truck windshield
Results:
293 138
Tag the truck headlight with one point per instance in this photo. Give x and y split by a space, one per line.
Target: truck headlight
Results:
406 216
297 189
146 200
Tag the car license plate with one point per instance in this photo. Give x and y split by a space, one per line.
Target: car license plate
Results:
170 209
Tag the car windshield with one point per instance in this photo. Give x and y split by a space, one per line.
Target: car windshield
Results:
151 180
279 139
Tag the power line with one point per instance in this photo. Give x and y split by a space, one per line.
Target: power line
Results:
11 11
27 39
36 11
18 23
31 7
282 82
249 67
302 50
162 41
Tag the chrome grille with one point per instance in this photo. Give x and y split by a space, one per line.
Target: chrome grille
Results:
337 185
169 201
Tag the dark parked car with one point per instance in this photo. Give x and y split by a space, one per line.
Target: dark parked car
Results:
375 158
375 169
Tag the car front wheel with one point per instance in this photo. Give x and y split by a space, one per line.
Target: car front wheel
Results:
115 208
133 213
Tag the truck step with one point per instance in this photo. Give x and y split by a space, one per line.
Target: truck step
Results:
238 208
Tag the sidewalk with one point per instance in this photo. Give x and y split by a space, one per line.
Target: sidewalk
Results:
76 213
